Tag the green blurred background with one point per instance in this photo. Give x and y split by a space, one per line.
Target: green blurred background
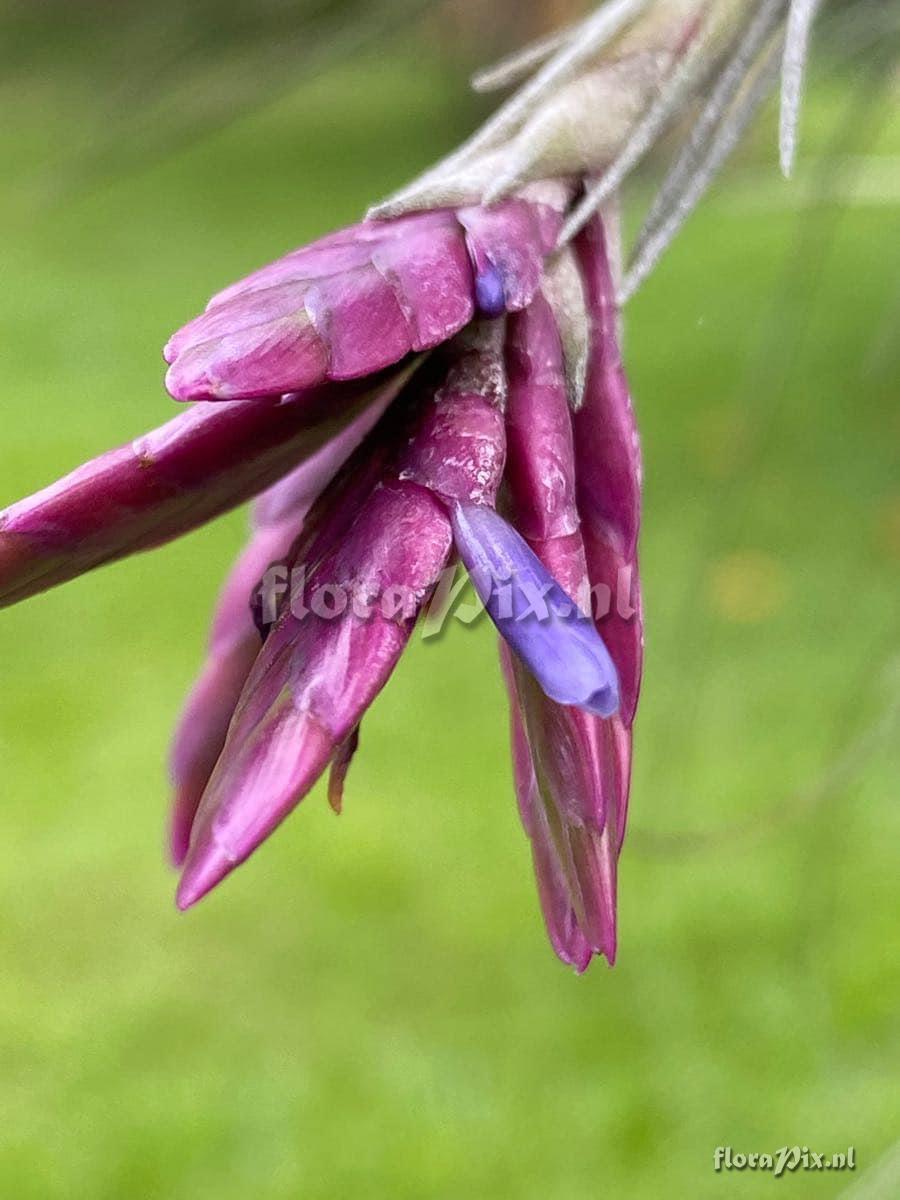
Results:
370 1008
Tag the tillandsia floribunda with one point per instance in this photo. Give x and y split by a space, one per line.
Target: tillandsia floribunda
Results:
442 380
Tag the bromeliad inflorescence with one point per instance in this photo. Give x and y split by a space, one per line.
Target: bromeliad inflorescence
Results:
442 379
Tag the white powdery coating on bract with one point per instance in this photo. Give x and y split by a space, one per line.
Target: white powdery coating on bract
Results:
564 291
796 50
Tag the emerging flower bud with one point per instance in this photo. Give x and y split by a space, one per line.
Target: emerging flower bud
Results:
540 622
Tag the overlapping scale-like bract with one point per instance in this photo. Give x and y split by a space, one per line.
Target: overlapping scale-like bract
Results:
162 485
610 474
361 299
318 673
235 639
565 759
371 462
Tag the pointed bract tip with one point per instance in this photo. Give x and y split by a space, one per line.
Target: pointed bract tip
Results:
185 387
206 868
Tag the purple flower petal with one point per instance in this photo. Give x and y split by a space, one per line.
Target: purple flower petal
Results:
489 294
506 243
540 622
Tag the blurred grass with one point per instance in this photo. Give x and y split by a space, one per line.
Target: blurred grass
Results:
369 1009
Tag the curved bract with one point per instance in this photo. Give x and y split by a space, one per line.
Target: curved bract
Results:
362 299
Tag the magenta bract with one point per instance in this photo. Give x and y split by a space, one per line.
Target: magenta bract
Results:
360 300
279 518
166 483
572 767
610 472
368 476
318 673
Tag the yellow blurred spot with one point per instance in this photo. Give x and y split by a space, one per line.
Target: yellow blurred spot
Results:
748 586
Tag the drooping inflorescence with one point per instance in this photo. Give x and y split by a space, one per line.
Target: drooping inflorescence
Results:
441 380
